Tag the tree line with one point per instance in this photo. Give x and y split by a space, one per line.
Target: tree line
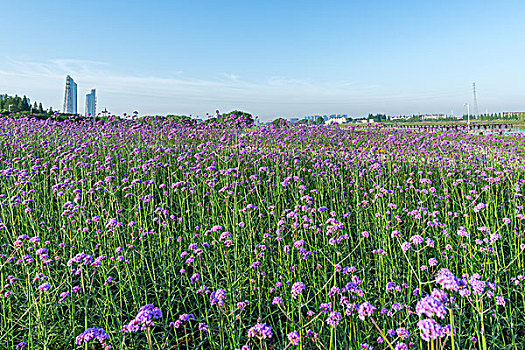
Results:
17 104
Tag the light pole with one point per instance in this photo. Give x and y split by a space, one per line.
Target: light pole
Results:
9 108
468 114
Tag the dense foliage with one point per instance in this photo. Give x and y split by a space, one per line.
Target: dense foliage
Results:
167 236
19 104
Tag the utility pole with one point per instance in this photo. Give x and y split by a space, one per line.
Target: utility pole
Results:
468 114
475 100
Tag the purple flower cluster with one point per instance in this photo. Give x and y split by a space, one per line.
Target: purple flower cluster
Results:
430 329
431 306
260 331
365 310
297 289
144 319
91 334
218 297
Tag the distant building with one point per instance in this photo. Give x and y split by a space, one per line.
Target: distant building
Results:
400 117
70 98
433 116
294 120
91 104
340 120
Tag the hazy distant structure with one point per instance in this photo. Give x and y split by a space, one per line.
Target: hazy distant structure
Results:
91 104
70 98
475 99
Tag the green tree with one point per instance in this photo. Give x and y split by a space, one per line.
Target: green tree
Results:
279 122
25 104
19 105
247 117
40 108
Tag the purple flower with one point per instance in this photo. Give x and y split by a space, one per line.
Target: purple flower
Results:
430 329
203 327
405 246
144 319
44 287
22 345
365 310
261 331
432 262
431 306
277 301
447 280
218 297
90 334
333 318
402 333
417 239
294 338
500 300
194 278
480 206
401 346
297 289
325 307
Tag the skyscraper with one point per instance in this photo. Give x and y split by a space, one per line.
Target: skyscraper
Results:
70 98
91 104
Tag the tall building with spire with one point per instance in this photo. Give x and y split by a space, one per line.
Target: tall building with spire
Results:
91 104
70 98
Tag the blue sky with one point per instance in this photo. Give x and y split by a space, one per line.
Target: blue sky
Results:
271 58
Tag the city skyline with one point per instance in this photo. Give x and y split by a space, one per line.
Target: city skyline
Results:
91 104
70 96
288 58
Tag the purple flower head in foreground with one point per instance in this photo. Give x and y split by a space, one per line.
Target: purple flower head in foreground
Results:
402 333
218 297
144 319
203 327
401 346
22 345
90 334
500 300
447 280
277 301
480 206
297 289
430 329
294 338
333 318
431 306
261 331
365 310
325 307
44 287
417 239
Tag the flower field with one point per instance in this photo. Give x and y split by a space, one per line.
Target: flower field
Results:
157 235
